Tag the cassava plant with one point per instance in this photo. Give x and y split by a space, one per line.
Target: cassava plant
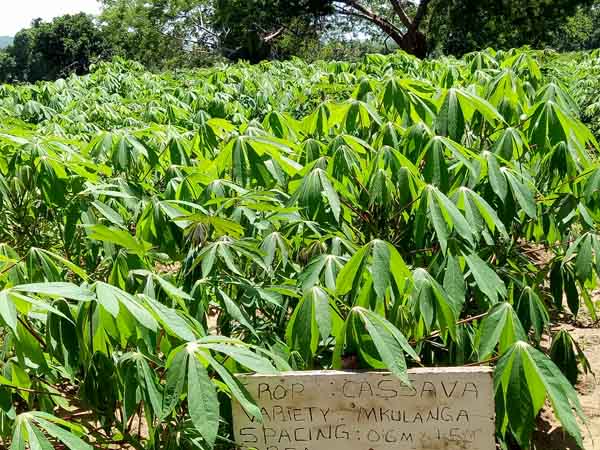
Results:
162 232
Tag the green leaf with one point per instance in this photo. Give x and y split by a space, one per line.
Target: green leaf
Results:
302 333
540 378
380 268
347 276
175 380
450 120
454 282
108 213
69 439
8 311
331 195
500 326
496 177
523 195
58 289
583 263
238 391
563 354
235 312
203 403
119 237
389 341
243 356
486 279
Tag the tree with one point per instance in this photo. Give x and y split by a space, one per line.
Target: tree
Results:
580 31
49 50
418 27
461 26
400 20
7 66
161 33
250 29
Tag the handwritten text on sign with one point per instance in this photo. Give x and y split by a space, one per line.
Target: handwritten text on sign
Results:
449 408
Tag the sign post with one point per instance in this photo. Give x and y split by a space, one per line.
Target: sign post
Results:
443 408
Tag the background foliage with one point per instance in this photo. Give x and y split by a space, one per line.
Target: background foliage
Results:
170 34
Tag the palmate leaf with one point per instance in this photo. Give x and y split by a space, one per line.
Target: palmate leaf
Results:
446 217
315 186
28 431
326 266
383 262
360 115
388 340
524 377
511 144
203 403
458 107
310 321
478 213
451 120
432 303
119 237
486 278
563 355
501 327
550 125
532 312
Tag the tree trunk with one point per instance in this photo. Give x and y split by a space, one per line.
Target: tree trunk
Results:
415 43
412 42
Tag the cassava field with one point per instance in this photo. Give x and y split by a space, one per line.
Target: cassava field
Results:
160 233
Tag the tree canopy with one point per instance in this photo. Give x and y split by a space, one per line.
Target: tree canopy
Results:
49 50
191 33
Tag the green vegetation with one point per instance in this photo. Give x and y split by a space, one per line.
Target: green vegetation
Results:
51 50
170 34
408 212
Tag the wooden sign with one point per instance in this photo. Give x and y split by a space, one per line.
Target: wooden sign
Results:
443 408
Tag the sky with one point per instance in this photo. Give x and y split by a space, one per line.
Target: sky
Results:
18 14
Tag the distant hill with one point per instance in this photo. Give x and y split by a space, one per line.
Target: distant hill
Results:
5 41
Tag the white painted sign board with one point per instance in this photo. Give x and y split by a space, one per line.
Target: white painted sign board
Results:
444 408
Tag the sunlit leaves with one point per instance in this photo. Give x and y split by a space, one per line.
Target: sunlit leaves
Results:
383 263
486 279
33 428
310 322
432 304
305 209
315 187
389 342
500 327
523 379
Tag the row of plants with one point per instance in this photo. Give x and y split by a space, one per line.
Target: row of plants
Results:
162 232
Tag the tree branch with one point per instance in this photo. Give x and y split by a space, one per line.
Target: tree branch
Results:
273 35
421 11
358 10
399 10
